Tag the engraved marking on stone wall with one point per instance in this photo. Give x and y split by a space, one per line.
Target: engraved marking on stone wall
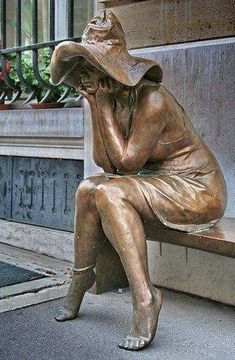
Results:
43 191
54 210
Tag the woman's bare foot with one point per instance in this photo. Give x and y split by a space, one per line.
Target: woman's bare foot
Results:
145 319
78 286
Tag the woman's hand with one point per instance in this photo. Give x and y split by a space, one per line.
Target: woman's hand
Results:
107 88
89 96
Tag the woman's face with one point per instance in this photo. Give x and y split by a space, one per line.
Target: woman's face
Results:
90 76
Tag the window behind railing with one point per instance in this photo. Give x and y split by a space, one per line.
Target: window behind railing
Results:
30 29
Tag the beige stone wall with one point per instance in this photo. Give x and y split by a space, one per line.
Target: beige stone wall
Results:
157 22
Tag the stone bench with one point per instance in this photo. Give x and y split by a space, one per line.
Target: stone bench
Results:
219 239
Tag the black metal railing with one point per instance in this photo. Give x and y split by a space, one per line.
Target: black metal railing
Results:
34 48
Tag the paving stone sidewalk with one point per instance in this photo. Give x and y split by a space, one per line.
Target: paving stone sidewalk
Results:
16 291
189 329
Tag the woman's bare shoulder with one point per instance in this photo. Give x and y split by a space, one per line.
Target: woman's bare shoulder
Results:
152 94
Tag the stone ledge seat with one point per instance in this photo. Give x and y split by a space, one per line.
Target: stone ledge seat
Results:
220 239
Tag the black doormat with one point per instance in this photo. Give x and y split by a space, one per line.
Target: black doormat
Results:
11 274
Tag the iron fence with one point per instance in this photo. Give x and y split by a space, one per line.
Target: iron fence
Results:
34 48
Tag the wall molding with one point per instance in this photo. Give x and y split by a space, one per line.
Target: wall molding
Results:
185 45
52 133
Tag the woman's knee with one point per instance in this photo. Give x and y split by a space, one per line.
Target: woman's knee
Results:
108 195
85 193
114 194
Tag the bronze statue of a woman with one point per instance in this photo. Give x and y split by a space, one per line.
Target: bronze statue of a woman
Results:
156 167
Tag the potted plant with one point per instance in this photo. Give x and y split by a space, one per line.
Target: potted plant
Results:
50 101
7 91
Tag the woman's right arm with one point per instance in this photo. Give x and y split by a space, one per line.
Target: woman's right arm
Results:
100 155
99 152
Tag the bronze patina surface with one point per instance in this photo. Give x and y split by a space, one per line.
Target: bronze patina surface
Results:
156 167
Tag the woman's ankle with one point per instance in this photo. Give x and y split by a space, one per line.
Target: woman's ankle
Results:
144 299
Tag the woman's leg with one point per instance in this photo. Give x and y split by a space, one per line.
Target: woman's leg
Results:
88 232
120 203
88 240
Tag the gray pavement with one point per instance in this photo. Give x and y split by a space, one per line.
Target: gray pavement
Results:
189 329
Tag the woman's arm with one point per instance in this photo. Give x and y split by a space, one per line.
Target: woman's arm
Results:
99 153
148 124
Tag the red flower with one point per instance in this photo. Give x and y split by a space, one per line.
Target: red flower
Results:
1 76
8 67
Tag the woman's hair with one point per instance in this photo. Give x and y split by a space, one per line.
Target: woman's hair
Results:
132 97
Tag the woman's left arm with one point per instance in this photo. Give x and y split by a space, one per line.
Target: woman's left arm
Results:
130 154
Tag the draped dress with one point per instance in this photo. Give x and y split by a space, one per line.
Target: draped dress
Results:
181 181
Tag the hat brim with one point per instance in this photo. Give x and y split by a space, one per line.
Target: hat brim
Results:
116 62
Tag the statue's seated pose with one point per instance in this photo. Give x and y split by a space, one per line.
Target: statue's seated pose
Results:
156 167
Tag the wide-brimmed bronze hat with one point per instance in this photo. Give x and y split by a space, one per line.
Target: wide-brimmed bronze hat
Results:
104 46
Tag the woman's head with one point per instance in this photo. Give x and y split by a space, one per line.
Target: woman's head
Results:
89 76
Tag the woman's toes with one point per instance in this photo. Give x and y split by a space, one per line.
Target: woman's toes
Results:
121 344
64 315
59 317
133 343
141 343
126 344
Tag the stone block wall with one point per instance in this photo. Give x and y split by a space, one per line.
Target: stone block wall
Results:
160 22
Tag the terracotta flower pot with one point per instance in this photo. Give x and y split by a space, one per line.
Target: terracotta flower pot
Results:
5 106
47 105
